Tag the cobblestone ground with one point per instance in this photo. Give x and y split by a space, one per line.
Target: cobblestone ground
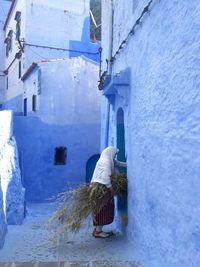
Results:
73 264
31 245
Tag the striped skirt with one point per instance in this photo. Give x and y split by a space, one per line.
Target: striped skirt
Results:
106 214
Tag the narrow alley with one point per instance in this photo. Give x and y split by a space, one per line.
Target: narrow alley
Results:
91 91
32 242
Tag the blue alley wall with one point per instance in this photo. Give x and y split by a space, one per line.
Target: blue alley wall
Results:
162 133
65 116
85 44
15 104
11 190
82 47
37 142
3 225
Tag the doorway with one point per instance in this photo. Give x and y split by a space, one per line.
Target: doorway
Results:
121 200
25 106
90 166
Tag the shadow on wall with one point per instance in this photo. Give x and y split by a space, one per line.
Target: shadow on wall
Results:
38 143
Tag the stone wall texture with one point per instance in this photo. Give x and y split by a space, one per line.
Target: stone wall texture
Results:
162 127
3 226
10 175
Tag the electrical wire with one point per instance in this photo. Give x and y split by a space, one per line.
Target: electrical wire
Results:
132 31
69 50
38 54
1 21
121 46
63 49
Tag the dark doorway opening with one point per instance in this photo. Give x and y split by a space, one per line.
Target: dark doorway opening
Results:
90 166
121 200
25 106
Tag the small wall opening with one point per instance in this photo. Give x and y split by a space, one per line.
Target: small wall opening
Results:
34 103
60 157
25 106
121 200
7 83
20 70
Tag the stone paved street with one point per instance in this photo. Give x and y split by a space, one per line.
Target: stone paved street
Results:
31 245
73 264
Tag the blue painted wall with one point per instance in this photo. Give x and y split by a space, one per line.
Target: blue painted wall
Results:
37 142
11 190
15 104
3 226
65 116
89 50
162 134
69 16
85 44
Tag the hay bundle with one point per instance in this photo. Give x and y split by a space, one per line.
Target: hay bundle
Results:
79 203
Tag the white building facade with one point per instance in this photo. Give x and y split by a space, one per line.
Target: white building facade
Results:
56 103
5 6
42 30
60 135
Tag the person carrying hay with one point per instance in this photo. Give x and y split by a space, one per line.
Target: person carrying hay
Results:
101 186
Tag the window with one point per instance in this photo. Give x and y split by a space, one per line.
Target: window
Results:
7 48
60 156
20 69
8 42
18 30
18 24
7 83
25 106
34 103
39 82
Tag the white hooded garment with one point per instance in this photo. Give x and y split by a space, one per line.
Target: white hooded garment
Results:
105 166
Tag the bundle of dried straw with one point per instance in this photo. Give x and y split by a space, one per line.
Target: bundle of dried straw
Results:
79 203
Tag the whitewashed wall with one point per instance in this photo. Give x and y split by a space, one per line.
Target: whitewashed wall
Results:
161 127
68 115
45 24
